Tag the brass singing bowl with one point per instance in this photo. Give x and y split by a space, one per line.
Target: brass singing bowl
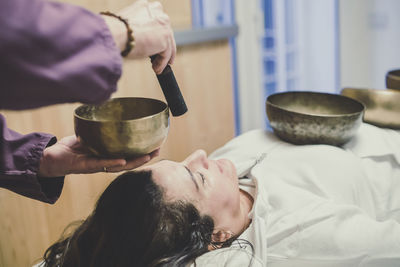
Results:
393 79
314 118
122 127
382 107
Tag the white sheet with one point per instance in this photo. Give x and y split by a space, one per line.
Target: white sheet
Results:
303 216
319 205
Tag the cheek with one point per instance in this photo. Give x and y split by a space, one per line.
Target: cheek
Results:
229 169
222 208
227 197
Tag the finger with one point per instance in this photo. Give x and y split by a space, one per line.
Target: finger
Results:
106 165
151 9
162 18
162 60
172 59
168 53
140 9
155 153
156 65
134 163
93 165
140 3
156 6
131 164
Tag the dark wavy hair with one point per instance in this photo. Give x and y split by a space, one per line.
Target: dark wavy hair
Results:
133 225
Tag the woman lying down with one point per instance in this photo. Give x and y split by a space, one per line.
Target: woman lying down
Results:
257 201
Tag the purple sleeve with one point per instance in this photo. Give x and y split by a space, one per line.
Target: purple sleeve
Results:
19 162
54 53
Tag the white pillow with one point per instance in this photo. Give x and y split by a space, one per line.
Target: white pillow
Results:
372 141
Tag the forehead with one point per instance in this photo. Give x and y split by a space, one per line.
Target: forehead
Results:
174 178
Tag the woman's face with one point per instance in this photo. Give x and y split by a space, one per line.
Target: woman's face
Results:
210 185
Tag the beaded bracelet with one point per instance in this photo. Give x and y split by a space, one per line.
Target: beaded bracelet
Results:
130 42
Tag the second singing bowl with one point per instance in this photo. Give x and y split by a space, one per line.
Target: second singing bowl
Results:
393 79
314 118
382 106
122 127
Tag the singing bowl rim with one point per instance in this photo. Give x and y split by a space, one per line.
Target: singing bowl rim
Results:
356 102
163 110
303 128
394 74
392 79
379 99
386 92
95 131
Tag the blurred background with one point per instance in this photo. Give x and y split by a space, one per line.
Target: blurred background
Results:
289 45
232 54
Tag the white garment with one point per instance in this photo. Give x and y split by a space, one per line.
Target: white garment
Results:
318 205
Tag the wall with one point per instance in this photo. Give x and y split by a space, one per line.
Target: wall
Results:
319 46
250 18
369 41
28 227
284 45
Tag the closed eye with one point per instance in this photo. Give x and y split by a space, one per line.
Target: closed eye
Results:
202 177
192 177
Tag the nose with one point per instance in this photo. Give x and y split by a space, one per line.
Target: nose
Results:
197 159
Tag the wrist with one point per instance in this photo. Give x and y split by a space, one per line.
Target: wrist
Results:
48 166
43 166
129 39
118 31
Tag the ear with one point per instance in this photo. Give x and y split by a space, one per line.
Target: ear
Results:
219 236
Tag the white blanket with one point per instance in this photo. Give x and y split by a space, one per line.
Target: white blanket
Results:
318 205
